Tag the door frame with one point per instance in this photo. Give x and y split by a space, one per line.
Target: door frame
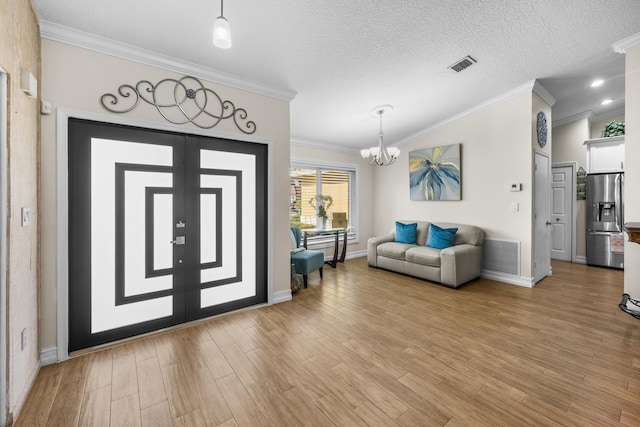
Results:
62 203
574 204
4 313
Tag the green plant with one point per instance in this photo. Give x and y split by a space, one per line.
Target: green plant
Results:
613 129
294 221
321 204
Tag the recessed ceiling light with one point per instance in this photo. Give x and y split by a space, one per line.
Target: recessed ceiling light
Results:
606 101
597 83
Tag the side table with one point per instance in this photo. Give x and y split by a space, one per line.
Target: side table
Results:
330 231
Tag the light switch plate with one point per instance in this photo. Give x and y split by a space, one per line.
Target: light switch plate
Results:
45 107
26 217
29 84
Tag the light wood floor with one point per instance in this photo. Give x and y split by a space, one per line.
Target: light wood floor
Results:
370 347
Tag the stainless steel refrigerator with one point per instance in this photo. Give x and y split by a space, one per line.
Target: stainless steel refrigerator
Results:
605 207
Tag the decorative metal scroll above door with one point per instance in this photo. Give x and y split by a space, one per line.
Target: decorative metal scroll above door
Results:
180 102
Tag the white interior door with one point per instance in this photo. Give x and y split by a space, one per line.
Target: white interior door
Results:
562 183
541 209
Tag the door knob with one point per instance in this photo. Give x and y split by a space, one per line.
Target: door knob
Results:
179 240
548 223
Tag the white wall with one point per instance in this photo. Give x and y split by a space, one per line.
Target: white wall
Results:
364 186
496 152
568 142
544 255
19 50
75 78
632 168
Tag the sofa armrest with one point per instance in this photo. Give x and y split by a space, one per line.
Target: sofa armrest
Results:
372 247
459 264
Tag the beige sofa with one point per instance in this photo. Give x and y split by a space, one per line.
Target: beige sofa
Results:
451 266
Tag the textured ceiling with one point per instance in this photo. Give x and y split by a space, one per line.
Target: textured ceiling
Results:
342 58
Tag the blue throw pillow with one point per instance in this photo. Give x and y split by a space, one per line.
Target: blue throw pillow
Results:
441 238
406 233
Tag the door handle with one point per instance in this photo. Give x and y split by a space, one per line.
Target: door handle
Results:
603 233
548 223
179 240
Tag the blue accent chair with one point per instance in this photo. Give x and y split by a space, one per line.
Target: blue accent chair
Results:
305 261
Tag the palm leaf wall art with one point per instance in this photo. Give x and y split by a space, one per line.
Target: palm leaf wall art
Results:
434 173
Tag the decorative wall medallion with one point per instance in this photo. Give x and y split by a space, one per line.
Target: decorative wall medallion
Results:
180 102
542 129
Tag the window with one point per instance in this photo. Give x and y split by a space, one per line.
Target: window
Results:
322 197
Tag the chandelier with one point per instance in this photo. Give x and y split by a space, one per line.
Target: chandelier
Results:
221 30
380 156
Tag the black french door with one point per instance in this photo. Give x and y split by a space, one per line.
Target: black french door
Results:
164 228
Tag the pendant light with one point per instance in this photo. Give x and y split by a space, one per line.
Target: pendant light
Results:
221 30
380 156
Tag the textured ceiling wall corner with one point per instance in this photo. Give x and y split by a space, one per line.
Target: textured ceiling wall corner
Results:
392 52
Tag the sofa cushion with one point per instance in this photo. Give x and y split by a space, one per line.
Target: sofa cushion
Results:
394 250
421 231
441 238
470 234
424 255
406 233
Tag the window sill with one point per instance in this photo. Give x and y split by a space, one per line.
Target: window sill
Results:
320 242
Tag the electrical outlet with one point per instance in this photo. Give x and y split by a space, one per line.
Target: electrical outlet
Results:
23 337
26 217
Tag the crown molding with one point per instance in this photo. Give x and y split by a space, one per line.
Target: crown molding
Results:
531 86
608 114
306 143
539 90
73 37
624 44
525 88
570 119
589 115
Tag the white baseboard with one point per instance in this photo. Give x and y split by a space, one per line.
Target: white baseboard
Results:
581 259
526 282
281 296
48 356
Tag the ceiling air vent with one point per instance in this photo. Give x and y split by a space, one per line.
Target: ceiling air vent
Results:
465 62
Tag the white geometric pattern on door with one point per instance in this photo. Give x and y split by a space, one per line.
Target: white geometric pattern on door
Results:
164 228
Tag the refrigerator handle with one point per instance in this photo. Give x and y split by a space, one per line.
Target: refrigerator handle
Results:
618 200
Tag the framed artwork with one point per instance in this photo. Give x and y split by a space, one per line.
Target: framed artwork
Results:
434 173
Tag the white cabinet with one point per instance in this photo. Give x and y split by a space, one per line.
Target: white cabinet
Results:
605 154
